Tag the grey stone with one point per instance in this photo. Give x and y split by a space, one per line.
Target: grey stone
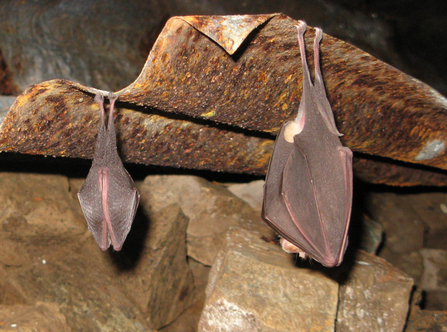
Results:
161 284
254 286
252 193
434 277
375 296
211 208
43 316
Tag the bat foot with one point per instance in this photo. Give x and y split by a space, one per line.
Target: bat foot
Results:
99 98
318 37
111 95
301 26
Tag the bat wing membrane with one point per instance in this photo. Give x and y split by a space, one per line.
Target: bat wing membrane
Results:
300 212
300 199
123 201
91 203
274 211
346 159
108 197
319 209
308 188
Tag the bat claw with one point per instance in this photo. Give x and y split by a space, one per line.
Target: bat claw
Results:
318 36
111 95
99 98
301 26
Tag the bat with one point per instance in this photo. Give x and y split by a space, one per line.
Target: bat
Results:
108 198
308 186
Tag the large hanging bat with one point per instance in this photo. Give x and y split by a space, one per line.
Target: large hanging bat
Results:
108 197
308 187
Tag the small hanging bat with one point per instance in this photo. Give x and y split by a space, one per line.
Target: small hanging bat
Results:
308 187
108 197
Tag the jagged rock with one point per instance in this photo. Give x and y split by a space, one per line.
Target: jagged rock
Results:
435 267
403 227
434 278
43 316
252 193
34 204
372 235
48 256
254 286
375 296
161 283
51 266
211 208
424 320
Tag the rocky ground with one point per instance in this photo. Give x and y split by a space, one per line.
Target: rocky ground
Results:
199 258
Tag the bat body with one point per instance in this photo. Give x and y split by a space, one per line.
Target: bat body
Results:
108 197
308 187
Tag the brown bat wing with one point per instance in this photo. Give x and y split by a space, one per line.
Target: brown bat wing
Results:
109 201
306 204
317 191
274 209
123 200
90 200
108 197
308 188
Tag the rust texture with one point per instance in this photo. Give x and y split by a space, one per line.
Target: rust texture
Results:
227 31
397 174
213 87
380 110
255 88
56 118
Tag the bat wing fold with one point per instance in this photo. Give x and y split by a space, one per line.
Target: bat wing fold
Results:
308 186
276 211
302 206
123 200
91 203
109 220
318 197
305 208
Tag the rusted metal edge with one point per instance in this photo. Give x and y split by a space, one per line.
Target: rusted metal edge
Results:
229 31
399 129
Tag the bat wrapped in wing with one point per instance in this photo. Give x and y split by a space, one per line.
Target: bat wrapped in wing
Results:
308 187
108 197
